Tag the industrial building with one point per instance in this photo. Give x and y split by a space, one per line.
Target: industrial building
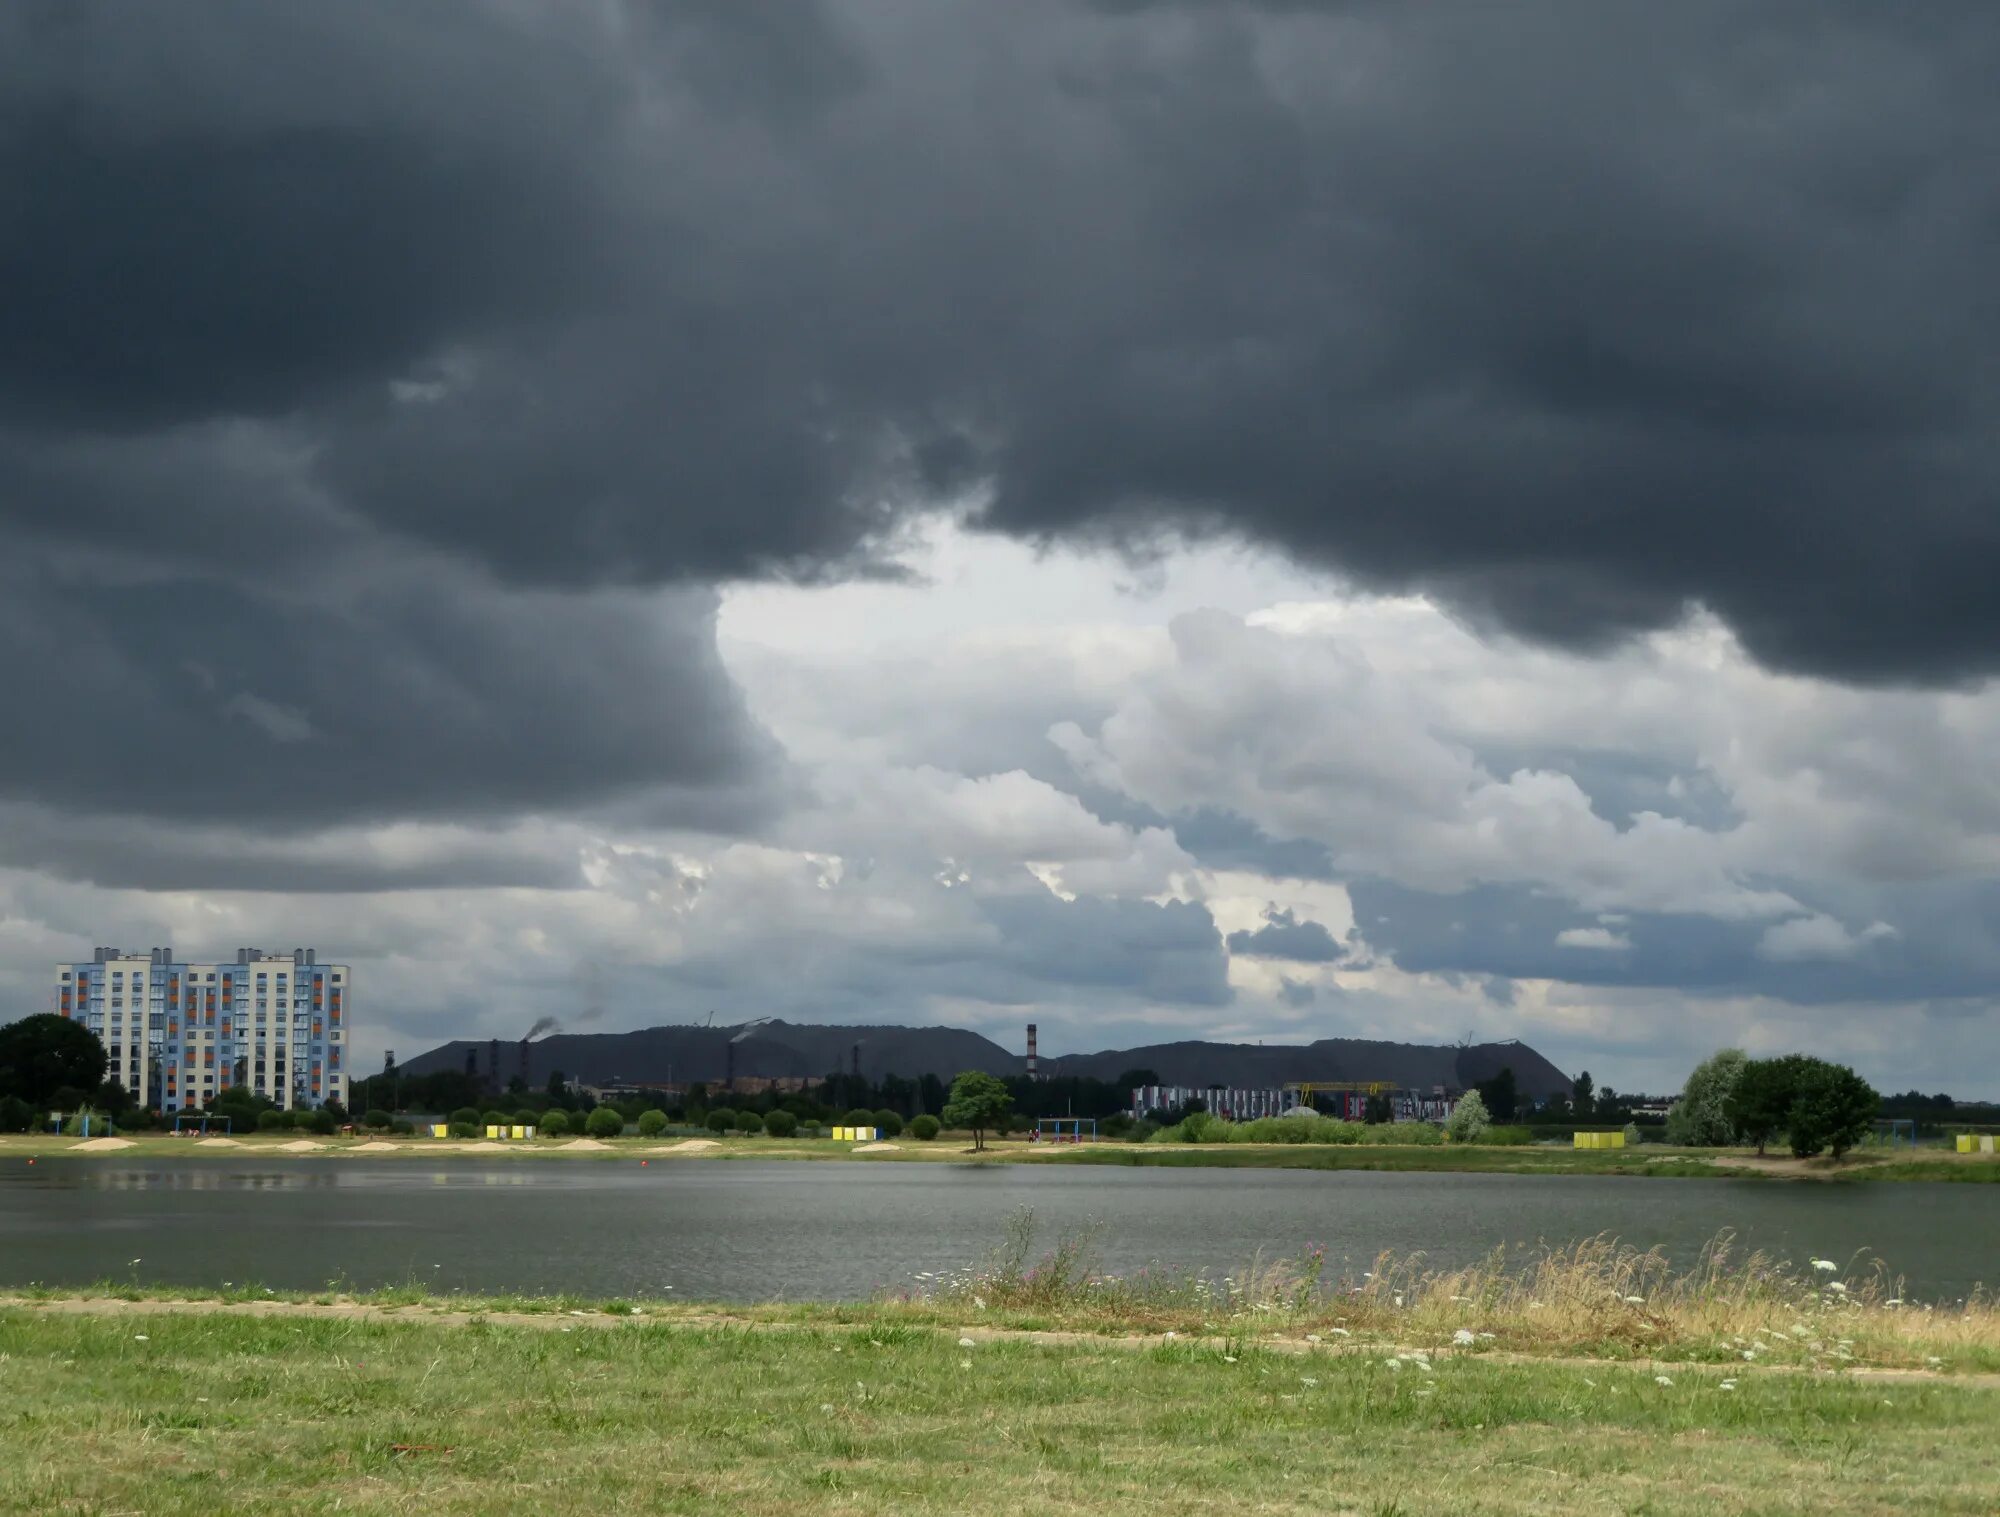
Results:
178 1033
1347 1099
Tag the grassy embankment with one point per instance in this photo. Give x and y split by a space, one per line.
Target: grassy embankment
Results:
1278 1395
1650 1160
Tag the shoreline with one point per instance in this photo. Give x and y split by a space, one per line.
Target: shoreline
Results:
1645 1162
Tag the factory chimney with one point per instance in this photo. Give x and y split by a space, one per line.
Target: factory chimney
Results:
1031 1050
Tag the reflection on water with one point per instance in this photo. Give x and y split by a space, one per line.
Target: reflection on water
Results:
751 1230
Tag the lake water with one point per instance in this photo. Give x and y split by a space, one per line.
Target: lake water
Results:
749 1231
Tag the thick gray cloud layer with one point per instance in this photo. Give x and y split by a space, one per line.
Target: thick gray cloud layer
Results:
385 389
1575 314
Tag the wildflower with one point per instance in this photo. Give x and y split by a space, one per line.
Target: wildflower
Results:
1312 1337
1727 1385
1933 1361
1399 1301
1228 1358
1426 1390
965 1364
1340 1332
1835 1285
1749 1355
1170 1333
1825 1266
1465 1337
965 1343
1308 1381
1394 1364
132 1261
980 1302
139 1338
826 1406
1486 1337
637 1312
1663 1380
1635 1300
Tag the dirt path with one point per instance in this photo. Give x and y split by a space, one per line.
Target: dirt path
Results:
365 1311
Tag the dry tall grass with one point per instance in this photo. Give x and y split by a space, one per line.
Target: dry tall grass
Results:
1597 1297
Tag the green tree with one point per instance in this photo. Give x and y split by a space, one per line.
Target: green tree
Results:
1818 1105
977 1101
494 1118
1132 1079
888 1124
604 1122
780 1124
1500 1095
1582 1099
465 1116
721 1120
1705 1115
1378 1108
860 1116
270 1120
321 1122
652 1122
1832 1109
39 1055
16 1115
1468 1119
1760 1106
554 1123
923 1127
377 1118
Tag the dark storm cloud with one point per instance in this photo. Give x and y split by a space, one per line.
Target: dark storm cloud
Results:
1572 314
1286 936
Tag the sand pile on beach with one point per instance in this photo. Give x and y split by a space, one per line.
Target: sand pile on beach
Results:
876 1148
375 1147
481 1148
101 1145
217 1143
693 1145
590 1145
300 1146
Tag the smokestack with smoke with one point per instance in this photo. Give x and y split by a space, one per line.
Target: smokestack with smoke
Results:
542 1025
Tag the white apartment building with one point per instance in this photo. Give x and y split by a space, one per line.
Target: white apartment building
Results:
176 1033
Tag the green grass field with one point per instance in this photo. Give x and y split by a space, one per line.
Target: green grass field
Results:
208 1414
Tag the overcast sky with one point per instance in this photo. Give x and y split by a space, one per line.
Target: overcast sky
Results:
1162 519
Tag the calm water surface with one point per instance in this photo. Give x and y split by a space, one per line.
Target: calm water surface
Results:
749 1231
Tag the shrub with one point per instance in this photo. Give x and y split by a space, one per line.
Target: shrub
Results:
721 1120
321 1122
888 1124
811 1130
554 1123
780 1124
271 1121
403 1127
924 1128
1468 1118
495 1118
1507 1136
1705 1115
857 1118
465 1116
16 1115
604 1122
463 1129
1633 1137
652 1122
374 1117
751 1122
302 1118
